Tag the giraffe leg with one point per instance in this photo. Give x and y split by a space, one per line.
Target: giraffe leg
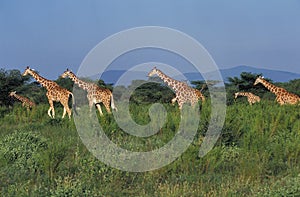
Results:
66 109
64 113
107 106
279 100
53 112
99 109
173 101
180 104
90 104
49 112
249 101
69 112
51 109
193 102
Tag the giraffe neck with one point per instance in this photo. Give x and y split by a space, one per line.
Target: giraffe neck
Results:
271 87
80 83
43 81
168 80
20 98
243 94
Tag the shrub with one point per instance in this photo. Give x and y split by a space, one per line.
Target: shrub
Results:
22 149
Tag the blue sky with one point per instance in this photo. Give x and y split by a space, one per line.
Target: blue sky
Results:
53 35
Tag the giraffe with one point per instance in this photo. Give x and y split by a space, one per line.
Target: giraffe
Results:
282 95
54 93
184 93
252 98
26 102
198 94
95 94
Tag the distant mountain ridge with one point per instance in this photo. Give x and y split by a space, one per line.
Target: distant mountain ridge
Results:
112 76
275 75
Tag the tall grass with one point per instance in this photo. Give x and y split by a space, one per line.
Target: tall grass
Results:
258 153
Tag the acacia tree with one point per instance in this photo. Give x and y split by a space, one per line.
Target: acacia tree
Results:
150 92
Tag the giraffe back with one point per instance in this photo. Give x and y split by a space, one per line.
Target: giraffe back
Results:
288 98
57 93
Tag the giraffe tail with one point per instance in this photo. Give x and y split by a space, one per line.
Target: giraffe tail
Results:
73 104
112 103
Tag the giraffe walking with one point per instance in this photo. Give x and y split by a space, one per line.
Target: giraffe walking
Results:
26 102
184 93
95 94
282 95
252 98
54 93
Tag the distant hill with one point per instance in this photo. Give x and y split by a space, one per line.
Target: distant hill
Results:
112 76
275 75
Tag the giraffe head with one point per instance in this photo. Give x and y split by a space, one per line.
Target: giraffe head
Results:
154 71
67 73
259 79
28 71
12 93
236 95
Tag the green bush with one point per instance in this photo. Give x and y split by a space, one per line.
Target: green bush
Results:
20 152
287 186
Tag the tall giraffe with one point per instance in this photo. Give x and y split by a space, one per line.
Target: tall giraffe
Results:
95 94
26 102
54 93
252 98
184 93
282 95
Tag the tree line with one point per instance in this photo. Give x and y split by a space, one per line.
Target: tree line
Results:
150 91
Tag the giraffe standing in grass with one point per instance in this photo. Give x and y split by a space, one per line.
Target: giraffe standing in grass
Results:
252 98
282 95
95 94
54 93
184 93
26 102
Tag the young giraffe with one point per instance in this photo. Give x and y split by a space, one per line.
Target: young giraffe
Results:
184 93
54 93
25 101
95 94
252 98
282 95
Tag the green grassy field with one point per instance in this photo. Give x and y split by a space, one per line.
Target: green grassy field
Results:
257 154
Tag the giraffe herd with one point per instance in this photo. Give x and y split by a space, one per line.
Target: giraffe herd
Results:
283 97
96 95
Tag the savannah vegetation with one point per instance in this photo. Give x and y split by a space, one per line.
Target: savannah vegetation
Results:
257 154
